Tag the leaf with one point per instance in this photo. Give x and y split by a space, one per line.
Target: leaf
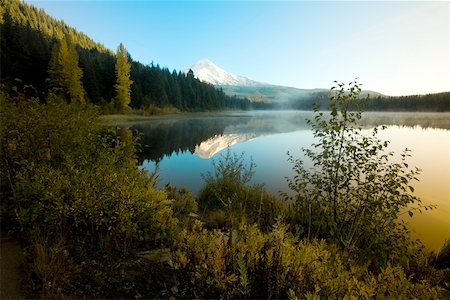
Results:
411 189
410 213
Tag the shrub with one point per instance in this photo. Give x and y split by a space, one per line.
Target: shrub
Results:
443 256
184 205
51 268
354 192
247 263
73 186
224 187
227 199
421 268
75 179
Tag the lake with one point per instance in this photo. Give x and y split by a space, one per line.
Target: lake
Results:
183 146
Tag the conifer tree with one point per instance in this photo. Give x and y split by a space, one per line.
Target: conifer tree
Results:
123 81
64 74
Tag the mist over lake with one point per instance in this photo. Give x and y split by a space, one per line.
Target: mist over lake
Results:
183 147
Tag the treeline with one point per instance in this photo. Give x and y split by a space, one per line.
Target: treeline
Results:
431 102
439 102
28 35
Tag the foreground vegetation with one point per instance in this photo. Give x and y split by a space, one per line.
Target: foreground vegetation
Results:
94 225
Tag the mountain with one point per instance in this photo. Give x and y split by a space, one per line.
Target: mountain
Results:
207 71
240 86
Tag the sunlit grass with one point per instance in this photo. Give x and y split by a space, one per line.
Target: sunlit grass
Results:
122 118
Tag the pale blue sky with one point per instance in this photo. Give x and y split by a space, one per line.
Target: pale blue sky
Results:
396 48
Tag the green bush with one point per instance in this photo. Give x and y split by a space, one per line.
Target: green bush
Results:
227 198
184 205
225 186
71 184
75 179
356 190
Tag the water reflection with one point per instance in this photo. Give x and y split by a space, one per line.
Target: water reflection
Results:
207 134
164 137
214 145
184 146
200 133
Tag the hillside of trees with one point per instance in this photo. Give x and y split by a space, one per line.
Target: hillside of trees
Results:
439 102
28 35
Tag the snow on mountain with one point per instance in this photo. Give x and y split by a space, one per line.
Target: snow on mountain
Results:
240 86
207 71
213 145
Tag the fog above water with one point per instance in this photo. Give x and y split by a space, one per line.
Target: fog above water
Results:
165 135
184 146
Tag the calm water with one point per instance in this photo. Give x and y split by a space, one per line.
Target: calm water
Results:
184 147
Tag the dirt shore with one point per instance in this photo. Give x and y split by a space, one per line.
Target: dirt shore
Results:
12 260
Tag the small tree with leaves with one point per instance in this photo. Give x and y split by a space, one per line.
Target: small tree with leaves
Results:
354 193
123 81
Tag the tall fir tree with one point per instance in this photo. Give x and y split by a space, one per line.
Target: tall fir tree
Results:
64 74
123 81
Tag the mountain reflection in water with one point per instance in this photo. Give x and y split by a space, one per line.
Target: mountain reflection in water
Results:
206 134
214 145
164 136
184 145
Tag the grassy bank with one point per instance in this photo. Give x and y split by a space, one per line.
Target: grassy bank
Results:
122 119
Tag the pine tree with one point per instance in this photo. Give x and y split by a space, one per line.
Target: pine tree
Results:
123 81
64 74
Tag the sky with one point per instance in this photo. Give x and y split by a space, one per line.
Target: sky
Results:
392 47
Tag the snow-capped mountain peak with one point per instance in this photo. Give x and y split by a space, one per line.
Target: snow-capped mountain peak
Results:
214 145
207 71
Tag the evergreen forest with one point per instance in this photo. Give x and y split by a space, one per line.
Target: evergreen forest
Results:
29 38
439 102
